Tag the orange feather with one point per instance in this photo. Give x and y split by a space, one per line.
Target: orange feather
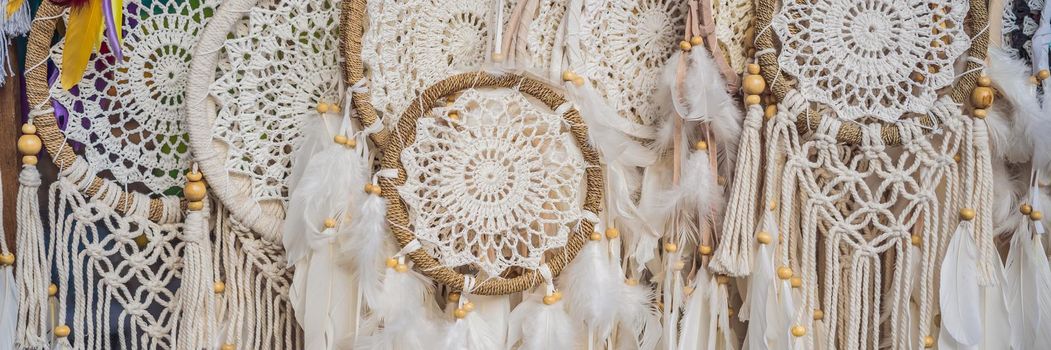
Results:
82 37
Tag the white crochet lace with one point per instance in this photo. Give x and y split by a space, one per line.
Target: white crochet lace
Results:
282 61
496 188
862 58
733 18
543 34
626 43
129 114
409 45
1016 28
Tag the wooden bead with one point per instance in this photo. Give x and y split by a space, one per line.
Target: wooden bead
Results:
685 45
469 306
330 223
670 247
752 100
916 240
798 331
984 81
967 214
334 108
980 113
195 206
452 298
1025 209
550 300
28 128
753 68
372 189
705 250
62 331
696 40
578 81
1036 215
558 295
612 233
796 282
1034 80
753 84
818 314
194 176
679 265
29 160
219 287
595 236
195 191
784 272
52 290
982 97
351 143
228 347
392 262
322 107
772 205
763 237
460 313
339 139
7 259
401 268
29 144
928 342
568 76
631 282
722 279
770 111
1043 74
700 146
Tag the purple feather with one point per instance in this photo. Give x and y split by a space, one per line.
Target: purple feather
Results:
111 30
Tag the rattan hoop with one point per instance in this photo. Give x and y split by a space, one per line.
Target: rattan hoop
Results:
351 30
405 135
162 209
850 133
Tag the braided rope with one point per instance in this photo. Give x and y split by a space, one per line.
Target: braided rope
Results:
161 210
405 135
351 30
850 133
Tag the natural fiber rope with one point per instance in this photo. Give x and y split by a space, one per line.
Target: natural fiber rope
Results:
351 30
850 133
406 135
38 52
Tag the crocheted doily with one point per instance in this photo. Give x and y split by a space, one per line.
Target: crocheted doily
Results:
1021 19
129 114
409 45
626 43
733 18
872 58
497 186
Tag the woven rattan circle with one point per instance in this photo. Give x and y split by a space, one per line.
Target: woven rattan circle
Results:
850 133
37 87
351 30
405 134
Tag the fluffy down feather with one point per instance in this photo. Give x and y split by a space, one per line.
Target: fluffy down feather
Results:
1011 78
369 246
535 326
317 133
404 318
583 283
638 319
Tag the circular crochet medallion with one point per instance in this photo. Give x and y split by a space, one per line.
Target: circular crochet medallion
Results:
495 183
872 58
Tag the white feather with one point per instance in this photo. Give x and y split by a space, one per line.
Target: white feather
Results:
404 318
638 319
8 308
580 282
709 101
535 326
1028 291
996 329
316 134
369 247
1030 125
697 322
321 194
958 288
471 333
760 292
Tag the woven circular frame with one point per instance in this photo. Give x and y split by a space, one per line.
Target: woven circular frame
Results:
405 135
850 133
200 120
37 91
351 30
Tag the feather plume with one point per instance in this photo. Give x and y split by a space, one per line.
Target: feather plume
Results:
470 333
760 293
8 307
369 247
996 328
535 326
82 37
405 318
1028 291
958 292
696 332
581 281
638 319
709 102
316 135
320 195
1011 77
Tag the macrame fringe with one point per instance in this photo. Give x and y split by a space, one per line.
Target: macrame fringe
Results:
33 270
197 316
13 25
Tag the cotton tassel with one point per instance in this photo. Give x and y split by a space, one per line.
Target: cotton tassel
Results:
8 293
762 297
958 288
469 331
697 323
195 294
405 317
33 271
733 256
311 238
584 283
541 322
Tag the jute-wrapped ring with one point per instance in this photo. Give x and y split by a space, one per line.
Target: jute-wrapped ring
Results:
405 134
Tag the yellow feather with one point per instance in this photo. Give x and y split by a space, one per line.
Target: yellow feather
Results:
82 35
13 6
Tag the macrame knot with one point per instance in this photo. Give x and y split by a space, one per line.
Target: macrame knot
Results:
29 176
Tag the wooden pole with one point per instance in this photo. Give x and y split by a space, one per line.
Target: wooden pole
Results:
10 108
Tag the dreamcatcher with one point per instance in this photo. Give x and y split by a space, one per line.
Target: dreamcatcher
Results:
876 185
268 75
115 235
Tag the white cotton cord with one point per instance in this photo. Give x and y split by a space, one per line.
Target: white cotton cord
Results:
733 256
16 24
32 270
197 314
984 236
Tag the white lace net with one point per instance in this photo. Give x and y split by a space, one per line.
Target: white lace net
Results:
876 58
279 65
495 188
625 45
128 115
